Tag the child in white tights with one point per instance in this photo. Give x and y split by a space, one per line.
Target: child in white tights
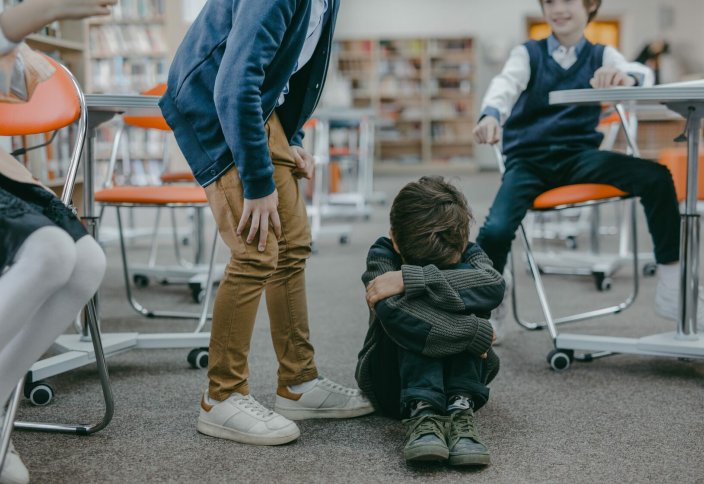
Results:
49 266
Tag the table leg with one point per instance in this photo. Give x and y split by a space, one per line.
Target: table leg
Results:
690 236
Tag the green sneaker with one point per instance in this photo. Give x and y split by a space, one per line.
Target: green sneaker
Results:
425 439
463 441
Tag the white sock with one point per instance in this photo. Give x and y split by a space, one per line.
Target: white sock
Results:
669 275
303 387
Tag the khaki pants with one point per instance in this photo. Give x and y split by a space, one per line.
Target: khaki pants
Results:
279 270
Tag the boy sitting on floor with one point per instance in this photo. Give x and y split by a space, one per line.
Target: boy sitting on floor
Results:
427 356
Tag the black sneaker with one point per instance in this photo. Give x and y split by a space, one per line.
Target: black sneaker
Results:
425 439
463 441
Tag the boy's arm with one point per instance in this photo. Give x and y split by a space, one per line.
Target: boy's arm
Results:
252 43
381 259
419 326
473 287
505 89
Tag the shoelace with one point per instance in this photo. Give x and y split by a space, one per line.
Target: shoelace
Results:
337 387
462 425
424 425
257 408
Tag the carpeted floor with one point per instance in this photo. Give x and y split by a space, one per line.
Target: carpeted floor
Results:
617 419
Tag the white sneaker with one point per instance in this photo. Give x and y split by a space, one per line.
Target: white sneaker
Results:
13 470
243 419
667 302
499 315
325 399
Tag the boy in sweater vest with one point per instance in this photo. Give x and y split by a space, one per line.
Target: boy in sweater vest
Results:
549 146
427 355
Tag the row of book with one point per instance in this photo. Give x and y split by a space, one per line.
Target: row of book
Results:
127 40
139 9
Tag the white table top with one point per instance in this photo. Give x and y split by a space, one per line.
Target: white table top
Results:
658 94
134 104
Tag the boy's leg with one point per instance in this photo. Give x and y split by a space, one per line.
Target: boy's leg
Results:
653 183
520 186
650 181
465 385
301 393
423 403
286 288
228 411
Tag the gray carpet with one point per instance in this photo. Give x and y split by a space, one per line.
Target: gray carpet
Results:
618 419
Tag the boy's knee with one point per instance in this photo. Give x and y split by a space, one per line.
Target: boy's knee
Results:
495 232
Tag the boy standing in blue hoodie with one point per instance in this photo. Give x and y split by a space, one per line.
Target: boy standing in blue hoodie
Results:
244 81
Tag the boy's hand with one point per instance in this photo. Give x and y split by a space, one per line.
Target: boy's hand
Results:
386 285
305 164
608 76
487 130
261 211
493 340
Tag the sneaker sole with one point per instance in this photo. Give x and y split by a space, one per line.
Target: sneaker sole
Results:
426 453
309 413
469 460
221 432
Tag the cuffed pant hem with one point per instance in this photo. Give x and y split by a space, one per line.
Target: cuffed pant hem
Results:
303 377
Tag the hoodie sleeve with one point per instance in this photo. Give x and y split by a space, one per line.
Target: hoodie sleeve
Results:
251 46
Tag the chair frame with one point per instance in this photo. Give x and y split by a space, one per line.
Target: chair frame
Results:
90 313
550 322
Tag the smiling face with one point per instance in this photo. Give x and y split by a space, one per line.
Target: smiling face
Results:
568 18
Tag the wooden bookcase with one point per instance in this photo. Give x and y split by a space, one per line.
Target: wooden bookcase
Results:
423 90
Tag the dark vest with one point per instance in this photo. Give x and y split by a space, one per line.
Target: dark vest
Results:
534 125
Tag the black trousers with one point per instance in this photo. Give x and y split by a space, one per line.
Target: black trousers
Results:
528 176
435 380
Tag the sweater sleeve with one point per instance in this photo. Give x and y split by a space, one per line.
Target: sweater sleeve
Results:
472 286
381 259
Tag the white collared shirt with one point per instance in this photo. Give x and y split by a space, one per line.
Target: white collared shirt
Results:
315 30
5 45
505 89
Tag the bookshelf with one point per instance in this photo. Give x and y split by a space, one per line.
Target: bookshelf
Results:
422 89
127 52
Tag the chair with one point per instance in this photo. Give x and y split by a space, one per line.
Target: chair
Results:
57 103
199 278
561 198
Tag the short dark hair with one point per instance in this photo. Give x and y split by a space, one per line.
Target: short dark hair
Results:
587 5
430 221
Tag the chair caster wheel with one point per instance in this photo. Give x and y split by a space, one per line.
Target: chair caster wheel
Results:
603 283
140 280
650 269
198 295
344 240
560 360
39 393
571 242
198 358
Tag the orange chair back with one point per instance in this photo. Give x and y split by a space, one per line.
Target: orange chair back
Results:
676 160
54 105
576 194
150 122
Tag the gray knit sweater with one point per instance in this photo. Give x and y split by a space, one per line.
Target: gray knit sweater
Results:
441 313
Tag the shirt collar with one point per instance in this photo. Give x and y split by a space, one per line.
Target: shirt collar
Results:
554 44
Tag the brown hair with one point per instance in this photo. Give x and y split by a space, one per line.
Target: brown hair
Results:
587 5
430 222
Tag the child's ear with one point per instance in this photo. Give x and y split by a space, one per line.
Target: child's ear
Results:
593 5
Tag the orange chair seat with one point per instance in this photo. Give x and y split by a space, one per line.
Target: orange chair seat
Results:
149 122
574 194
177 176
153 195
676 160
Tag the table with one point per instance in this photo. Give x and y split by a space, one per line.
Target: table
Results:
77 350
688 101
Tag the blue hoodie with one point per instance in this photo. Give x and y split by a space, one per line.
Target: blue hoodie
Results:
225 81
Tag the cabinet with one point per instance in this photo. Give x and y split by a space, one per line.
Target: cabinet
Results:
423 90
